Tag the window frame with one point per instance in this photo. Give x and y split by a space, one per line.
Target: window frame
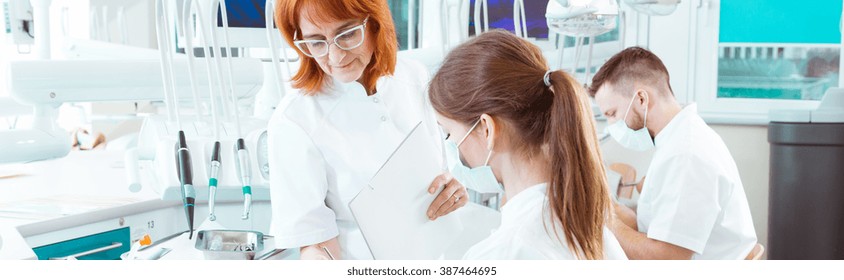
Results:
725 110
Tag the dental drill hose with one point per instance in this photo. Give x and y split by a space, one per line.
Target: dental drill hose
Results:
186 178
244 170
212 182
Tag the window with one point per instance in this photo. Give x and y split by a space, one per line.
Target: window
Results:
778 49
401 15
759 55
768 71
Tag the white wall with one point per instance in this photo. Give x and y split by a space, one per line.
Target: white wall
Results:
669 38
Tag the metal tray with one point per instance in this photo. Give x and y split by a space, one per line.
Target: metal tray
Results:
229 244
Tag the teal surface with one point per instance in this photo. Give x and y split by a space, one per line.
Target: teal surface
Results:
86 243
6 18
400 12
780 21
759 93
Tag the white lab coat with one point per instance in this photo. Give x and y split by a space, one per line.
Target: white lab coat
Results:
323 149
693 196
526 233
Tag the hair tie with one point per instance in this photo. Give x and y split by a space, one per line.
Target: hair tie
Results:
547 78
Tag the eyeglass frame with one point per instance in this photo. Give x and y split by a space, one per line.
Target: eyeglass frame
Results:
362 28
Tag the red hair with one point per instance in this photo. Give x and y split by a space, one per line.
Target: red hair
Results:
310 78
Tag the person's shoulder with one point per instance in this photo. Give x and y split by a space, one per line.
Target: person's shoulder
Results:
539 233
300 109
538 240
407 65
542 225
685 158
410 71
497 246
694 139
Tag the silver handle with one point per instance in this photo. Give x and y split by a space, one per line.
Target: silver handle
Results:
411 28
270 254
158 255
113 245
162 240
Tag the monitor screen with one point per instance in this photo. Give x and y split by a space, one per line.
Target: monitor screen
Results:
244 14
501 16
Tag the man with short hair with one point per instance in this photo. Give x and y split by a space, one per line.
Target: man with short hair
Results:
692 205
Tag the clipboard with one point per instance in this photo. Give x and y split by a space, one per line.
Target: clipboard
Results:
391 210
613 179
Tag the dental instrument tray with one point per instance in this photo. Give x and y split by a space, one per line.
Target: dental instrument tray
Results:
229 244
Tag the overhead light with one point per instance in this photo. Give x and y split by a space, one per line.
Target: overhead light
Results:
654 7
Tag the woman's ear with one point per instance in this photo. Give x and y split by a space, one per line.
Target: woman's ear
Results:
490 129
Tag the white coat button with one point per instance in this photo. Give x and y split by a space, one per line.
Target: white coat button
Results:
375 99
383 118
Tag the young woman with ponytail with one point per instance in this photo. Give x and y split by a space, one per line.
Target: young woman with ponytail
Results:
531 129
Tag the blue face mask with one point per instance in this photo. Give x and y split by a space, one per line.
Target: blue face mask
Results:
478 178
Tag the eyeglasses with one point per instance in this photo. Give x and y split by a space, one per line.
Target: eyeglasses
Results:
346 40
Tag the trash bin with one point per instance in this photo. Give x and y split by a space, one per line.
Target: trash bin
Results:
806 195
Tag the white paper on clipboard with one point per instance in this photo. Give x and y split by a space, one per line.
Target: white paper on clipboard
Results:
613 179
391 211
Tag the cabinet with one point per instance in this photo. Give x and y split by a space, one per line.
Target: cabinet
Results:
101 246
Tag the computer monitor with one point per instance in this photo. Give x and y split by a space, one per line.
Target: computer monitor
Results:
247 28
246 24
501 16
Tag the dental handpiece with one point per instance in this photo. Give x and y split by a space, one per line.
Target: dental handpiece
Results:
212 182
186 178
244 170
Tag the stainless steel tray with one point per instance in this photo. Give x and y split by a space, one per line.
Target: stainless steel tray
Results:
229 244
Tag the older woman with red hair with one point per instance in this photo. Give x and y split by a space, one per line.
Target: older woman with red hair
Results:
356 103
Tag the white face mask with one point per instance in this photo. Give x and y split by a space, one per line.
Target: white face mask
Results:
477 178
638 140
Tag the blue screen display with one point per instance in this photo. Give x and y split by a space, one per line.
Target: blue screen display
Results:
244 14
250 14
501 16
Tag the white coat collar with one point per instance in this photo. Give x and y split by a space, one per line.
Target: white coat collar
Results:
517 208
676 123
355 89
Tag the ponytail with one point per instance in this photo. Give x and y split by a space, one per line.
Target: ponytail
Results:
549 116
577 193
